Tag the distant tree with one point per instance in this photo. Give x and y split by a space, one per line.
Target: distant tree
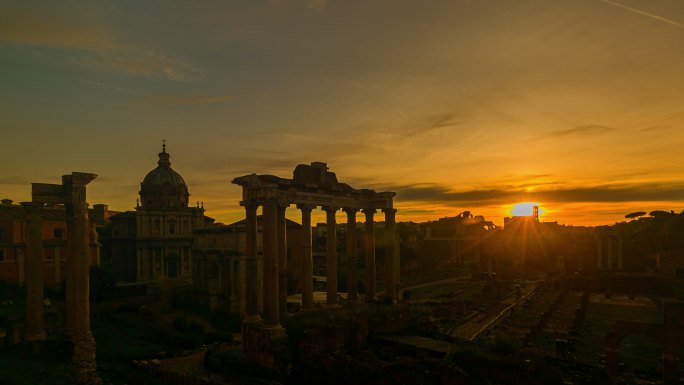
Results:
635 215
659 213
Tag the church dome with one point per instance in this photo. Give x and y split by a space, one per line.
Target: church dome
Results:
163 187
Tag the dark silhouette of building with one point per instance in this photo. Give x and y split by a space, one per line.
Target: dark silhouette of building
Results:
155 240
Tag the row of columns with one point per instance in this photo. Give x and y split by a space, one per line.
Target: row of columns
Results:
275 259
72 193
609 264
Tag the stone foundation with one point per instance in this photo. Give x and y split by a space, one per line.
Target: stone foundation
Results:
264 346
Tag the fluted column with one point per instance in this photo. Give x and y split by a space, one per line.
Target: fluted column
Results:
251 270
390 257
307 261
352 256
331 255
282 260
270 281
35 329
369 243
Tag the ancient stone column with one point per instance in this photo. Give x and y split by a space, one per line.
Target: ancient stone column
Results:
282 260
232 283
369 243
251 270
599 255
307 262
609 263
331 255
69 278
21 266
391 289
270 281
619 254
352 256
58 266
35 329
84 343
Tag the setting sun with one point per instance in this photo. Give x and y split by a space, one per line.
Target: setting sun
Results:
525 209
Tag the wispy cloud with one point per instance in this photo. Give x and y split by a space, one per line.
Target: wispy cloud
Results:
80 35
317 5
104 85
129 60
663 19
431 123
14 180
496 195
588 130
190 99
655 128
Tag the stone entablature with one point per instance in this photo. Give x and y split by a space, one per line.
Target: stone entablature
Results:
259 188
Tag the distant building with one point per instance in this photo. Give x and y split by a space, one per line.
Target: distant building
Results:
531 245
453 240
54 233
155 240
218 263
100 214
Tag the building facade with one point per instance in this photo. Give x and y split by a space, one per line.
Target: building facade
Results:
13 228
454 240
155 240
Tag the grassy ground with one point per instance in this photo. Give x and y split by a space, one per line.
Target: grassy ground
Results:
121 336
21 365
455 290
637 352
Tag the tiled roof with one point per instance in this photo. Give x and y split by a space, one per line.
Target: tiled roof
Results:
18 212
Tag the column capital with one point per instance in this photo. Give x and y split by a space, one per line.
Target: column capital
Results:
249 204
350 210
389 210
369 211
306 208
329 209
351 213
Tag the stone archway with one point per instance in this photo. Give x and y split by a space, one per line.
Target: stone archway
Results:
670 337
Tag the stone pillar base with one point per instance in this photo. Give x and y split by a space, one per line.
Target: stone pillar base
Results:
84 365
265 346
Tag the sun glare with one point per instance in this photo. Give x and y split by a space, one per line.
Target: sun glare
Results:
525 209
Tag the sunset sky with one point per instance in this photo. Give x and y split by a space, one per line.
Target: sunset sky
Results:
454 104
